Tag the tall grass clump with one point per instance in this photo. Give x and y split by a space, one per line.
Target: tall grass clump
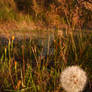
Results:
24 67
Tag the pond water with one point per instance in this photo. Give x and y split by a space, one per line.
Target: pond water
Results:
40 38
44 38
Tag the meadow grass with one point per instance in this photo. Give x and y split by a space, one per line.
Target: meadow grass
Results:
9 12
23 68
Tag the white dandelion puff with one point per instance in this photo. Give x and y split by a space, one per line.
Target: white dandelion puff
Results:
73 79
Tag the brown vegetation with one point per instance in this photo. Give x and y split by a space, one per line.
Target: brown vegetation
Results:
53 13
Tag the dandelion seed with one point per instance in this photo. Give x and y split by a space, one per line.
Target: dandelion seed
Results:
73 79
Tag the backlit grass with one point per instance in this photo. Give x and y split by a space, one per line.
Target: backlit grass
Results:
24 68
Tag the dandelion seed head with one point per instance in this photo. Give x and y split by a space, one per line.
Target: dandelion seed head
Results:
73 79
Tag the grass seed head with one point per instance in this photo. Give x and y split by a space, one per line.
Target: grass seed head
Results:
13 37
